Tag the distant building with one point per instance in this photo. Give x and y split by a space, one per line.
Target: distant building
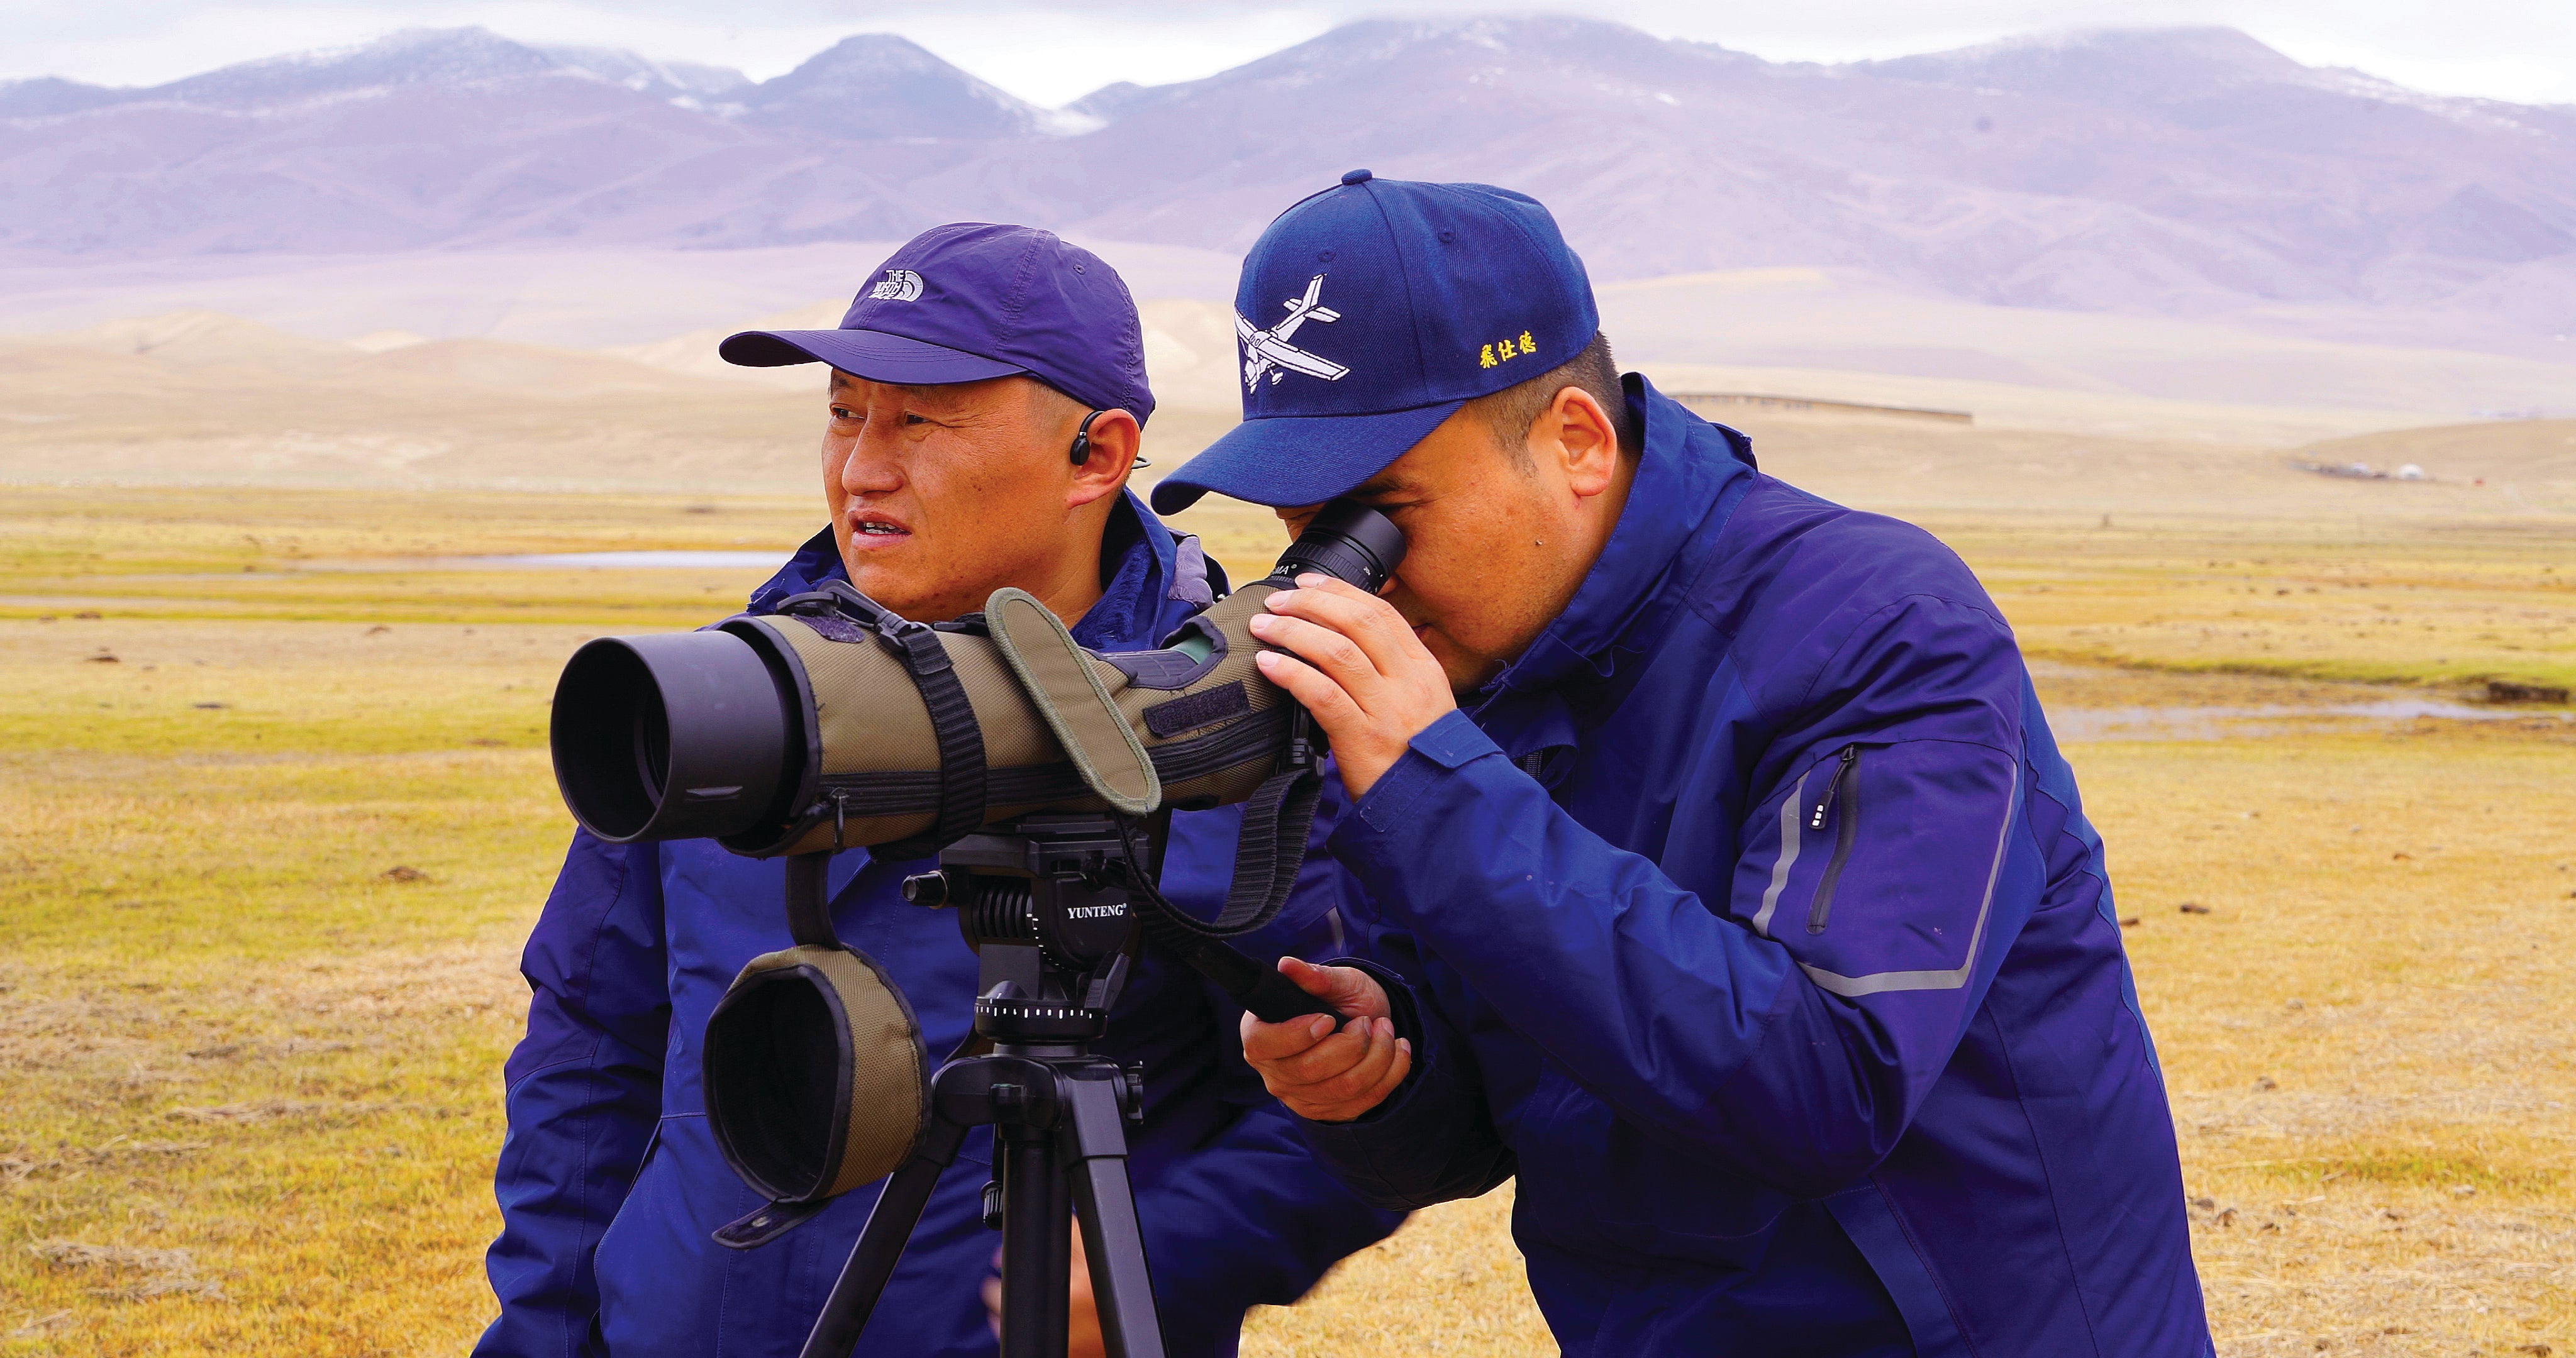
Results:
2362 471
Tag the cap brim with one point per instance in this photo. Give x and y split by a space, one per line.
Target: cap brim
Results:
1298 459
872 354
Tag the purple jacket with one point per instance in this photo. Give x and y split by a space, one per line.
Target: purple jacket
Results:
1751 919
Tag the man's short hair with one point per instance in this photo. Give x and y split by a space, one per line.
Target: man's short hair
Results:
1509 413
1051 403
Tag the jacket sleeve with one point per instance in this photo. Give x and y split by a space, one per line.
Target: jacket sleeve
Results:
1792 1027
585 1092
1250 1218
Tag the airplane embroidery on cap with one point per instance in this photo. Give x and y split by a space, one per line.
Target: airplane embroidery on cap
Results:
1268 351
899 285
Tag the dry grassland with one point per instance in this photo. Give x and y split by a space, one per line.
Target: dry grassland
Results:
255 958
202 398
373 556
2439 603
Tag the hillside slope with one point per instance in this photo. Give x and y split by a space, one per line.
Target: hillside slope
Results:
2184 172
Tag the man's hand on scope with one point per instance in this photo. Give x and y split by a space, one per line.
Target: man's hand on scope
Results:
1326 1071
1359 668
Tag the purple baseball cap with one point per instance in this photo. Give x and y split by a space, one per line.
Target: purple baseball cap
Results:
970 301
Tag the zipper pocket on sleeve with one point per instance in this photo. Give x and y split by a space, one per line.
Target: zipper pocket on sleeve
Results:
1843 788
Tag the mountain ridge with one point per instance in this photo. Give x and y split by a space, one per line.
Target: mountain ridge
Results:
2176 171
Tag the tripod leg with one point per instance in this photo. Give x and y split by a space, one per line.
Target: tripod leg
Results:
1111 1236
881 1242
1037 1245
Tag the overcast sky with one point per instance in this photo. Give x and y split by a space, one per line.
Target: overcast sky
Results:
2521 50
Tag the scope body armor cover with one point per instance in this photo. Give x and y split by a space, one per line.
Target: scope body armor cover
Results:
837 723
1192 725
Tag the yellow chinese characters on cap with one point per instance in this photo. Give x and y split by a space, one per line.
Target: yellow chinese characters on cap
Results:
1505 350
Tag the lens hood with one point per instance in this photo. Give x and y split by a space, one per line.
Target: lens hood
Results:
673 736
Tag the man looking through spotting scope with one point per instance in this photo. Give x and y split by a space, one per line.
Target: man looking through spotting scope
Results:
1715 865
986 397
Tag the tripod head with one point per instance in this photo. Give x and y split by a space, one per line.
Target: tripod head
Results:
1044 903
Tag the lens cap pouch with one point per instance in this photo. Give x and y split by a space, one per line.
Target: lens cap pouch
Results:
816 1081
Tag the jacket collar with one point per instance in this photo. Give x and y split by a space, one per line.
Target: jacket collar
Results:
1153 580
1682 473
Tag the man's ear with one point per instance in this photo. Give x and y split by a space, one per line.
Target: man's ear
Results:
1114 441
1581 436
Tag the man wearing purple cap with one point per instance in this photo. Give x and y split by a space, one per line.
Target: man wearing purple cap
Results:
1717 874
986 398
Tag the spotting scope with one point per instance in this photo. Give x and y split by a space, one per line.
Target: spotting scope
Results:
834 723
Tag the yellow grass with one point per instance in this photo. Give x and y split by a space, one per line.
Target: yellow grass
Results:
249 1077
249 1086
2364 1036
2376 601
359 555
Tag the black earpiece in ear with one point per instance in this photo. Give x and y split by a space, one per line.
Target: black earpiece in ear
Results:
1082 438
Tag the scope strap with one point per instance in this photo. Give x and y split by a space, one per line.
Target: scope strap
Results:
1280 813
953 725
1276 822
952 718
1277 818
809 900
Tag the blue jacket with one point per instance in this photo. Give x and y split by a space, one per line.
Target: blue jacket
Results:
1789 982
610 1181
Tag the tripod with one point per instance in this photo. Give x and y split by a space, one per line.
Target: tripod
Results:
1042 902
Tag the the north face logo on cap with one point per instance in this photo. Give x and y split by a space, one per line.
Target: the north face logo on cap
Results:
1268 351
899 285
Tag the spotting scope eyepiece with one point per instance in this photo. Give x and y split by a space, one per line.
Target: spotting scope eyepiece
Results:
834 723
1348 541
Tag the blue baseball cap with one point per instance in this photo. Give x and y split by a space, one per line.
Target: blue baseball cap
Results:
1368 314
970 301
